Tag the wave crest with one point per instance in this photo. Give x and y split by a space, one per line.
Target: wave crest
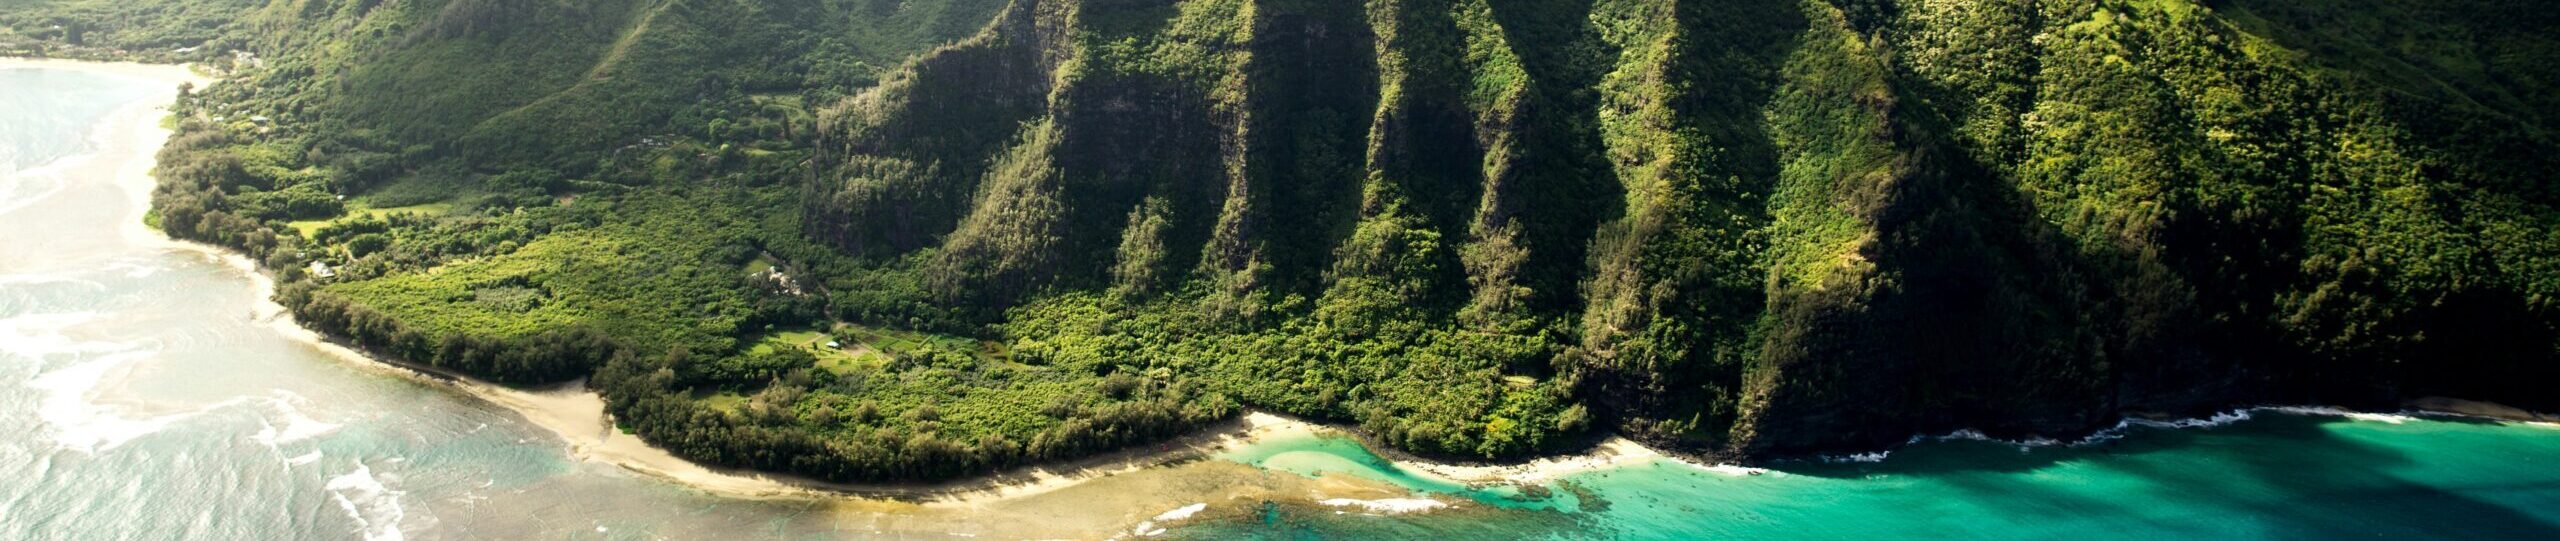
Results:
374 507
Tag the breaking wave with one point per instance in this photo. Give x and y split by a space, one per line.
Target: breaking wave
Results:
297 427
87 427
1389 506
2218 419
374 507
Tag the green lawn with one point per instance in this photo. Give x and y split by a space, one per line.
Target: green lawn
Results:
846 359
357 209
893 341
870 348
723 401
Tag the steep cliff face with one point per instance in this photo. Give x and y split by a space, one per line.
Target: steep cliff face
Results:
1746 226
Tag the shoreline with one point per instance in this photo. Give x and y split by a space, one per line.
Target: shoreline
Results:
2439 405
130 70
577 416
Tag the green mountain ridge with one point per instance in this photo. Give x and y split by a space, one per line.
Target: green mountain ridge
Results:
1477 229
1855 222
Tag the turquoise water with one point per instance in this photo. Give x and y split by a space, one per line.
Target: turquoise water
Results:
146 393
2274 476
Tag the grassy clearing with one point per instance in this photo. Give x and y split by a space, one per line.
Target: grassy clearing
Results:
893 342
720 401
842 359
359 210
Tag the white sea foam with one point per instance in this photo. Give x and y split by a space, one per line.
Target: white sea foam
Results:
78 424
28 186
1389 506
134 269
83 426
1180 513
1148 528
1867 457
2218 419
297 427
65 408
1966 434
1733 470
374 507
36 279
2392 418
37 336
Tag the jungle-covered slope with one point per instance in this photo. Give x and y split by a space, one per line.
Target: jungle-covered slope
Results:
1739 226
878 240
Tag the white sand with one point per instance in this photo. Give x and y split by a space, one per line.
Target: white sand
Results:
1613 452
2475 408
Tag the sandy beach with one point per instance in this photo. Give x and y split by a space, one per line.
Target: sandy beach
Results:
1613 452
2475 408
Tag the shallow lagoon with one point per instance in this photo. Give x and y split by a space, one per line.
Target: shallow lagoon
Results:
2273 475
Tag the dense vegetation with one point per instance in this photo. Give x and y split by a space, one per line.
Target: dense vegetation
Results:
1477 227
878 240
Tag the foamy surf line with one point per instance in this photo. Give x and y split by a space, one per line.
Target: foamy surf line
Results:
38 336
22 187
297 427
79 424
2112 433
83 426
374 506
1389 506
64 407
91 428
1150 528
